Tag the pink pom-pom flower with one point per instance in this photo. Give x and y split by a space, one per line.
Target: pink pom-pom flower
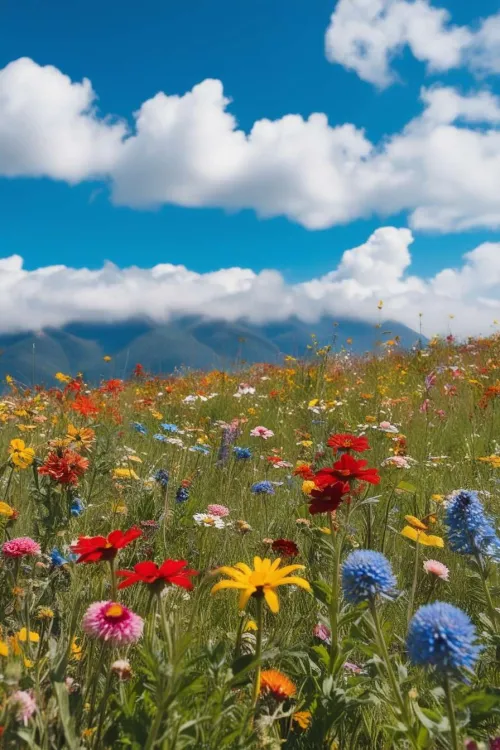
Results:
436 568
218 510
20 546
24 705
110 621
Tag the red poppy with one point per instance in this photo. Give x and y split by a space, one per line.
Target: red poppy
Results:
346 442
285 547
349 468
327 498
173 572
65 468
85 406
97 548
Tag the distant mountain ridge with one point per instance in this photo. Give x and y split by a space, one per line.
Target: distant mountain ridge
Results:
196 343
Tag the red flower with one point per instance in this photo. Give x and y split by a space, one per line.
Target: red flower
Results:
327 498
64 468
138 370
115 385
349 468
85 406
285 547
173 572
304 471
96 548
346 442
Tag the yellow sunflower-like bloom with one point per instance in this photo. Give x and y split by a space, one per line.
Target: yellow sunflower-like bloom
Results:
427 540
262 581
21 456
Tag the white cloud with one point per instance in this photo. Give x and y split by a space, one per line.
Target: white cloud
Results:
377 269
188 150
365 36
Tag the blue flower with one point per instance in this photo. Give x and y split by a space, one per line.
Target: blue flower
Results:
57 559
138 427
262 488
366 574
169 427
77 507
470 531
162 476
242 453
160 437
182 495
442 636
200 449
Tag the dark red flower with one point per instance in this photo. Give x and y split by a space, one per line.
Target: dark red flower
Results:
85 406
285 547
65 468
349 468
97 548
346 442
327 498
173 572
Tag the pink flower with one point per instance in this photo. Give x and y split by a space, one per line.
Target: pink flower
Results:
112 622
321 632
218 510
425 406
437 569
25 705
350 667
262 432
20 546
388 427
399 462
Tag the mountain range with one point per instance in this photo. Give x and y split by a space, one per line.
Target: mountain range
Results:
196 343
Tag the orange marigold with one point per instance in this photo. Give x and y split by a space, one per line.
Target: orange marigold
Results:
277 684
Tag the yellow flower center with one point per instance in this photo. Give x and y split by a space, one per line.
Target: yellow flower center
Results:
114 610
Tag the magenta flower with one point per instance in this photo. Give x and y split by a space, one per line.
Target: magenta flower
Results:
218 510
436 568
110 621
24 704
21 546
262 432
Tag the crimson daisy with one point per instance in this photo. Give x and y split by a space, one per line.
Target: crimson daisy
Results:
173 572
347 442
96 548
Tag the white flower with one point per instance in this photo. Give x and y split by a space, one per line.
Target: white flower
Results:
206 519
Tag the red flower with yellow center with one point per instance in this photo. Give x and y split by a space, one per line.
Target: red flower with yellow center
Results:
347 442
96 548
348 469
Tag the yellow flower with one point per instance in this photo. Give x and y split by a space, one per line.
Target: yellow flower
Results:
413 521
308 486
22 636
427 540
9 379
156 414
119 507
81 437
62 378
251 411
305 443
369 419
76 650
21 456
313 402
4 648
261 581
251 625
45 613
494 461
6 510
124 474
437 498
134 458
302 718
107 358
324 530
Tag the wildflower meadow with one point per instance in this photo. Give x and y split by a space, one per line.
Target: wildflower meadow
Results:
297 556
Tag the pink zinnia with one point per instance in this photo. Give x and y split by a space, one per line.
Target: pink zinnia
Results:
112 622
437 569
218 510
25 705
262 432
20 547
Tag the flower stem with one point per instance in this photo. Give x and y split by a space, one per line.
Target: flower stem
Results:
411 601
451 713
334 599
489 601
114 594
258 651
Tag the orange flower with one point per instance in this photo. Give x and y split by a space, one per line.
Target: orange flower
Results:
276 684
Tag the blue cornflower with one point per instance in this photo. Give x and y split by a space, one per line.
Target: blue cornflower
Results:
57 559
162 476
200 449
470 531
262 488
160 437
442 636
242 453
182 494
366 574
138 427
77 507
169 427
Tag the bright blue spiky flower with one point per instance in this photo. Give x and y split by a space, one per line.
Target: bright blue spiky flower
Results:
469 530
262 488
366 574
442 636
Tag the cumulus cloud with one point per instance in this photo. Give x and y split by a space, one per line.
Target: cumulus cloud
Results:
366 35
188 150
53 296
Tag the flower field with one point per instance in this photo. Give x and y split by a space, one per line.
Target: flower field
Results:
303 556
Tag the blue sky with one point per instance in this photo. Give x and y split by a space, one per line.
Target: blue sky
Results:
270 57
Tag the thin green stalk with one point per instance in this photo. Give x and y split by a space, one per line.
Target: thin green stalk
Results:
411 601
386 518
104 703
258 650
451 713
334 599
489 601
114 593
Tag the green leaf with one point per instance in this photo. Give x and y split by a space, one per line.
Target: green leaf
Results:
406 487
322 591
323 654
61 692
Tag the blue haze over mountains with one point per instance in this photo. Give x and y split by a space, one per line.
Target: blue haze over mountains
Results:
194 343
